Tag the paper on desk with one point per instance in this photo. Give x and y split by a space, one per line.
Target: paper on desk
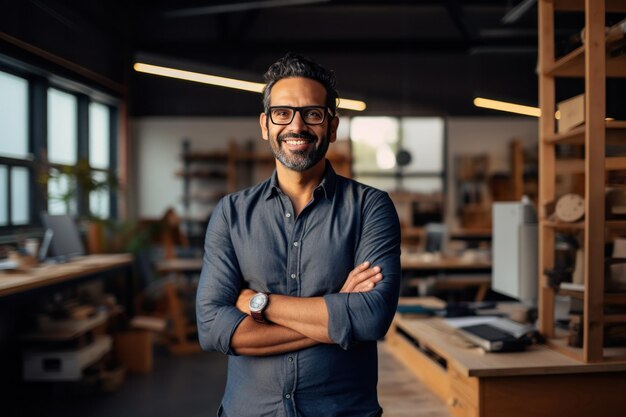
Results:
457 322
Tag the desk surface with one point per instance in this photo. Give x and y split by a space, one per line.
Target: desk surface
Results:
12 282
473 361
180 265
419 262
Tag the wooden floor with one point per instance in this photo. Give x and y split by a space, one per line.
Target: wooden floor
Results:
193 385
401 394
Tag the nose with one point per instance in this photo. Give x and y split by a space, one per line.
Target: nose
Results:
298 122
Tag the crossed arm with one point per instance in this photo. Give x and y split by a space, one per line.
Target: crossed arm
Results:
296 323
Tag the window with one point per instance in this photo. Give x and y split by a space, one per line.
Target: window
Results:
15 159
62 127
13 116
56 146
378 141
99 159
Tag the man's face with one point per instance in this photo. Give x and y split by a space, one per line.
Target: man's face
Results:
299 146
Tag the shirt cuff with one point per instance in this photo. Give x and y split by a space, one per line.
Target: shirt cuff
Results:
339 323
224 326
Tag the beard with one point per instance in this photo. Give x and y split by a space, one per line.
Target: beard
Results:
300 161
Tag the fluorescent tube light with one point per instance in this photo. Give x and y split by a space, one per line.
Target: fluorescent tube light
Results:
199 77
506 106
342 103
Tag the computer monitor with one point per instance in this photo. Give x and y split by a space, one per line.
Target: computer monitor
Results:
515 251
65 240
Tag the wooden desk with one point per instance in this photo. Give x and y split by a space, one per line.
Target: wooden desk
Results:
539 382
449 271
418 262
14 282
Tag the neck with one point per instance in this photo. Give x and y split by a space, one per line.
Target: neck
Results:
299 186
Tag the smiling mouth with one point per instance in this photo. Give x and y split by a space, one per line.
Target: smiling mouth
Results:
296 141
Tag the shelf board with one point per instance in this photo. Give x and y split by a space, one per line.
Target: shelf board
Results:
569 166
579 5
210 156
563 226
615 298
573 65
614 318
200 174
616 131
611 354
616 224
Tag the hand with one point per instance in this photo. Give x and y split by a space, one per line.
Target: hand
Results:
243 301
362 278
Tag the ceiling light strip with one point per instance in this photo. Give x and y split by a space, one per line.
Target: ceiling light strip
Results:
199 77
507 107
342 103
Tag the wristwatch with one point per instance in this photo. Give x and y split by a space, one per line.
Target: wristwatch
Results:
258 304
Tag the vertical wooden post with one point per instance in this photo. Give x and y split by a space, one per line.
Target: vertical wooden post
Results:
547 164
595 110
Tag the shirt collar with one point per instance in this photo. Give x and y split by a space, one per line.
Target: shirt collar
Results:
327 185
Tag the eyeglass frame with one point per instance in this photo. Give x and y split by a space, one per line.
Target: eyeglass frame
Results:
299 110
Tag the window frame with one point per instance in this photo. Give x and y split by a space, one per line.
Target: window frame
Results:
39 80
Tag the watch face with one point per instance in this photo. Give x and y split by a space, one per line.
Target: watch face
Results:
258 301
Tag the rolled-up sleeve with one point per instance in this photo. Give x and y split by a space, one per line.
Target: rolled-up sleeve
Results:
219 286
355 317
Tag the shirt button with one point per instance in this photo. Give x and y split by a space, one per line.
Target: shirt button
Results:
293 276
288 214
295 243
288 396
290 359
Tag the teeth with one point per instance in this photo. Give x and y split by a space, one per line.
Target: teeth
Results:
296 142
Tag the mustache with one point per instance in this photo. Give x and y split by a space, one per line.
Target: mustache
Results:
292 135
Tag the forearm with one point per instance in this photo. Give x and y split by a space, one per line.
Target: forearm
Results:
307 316
257 339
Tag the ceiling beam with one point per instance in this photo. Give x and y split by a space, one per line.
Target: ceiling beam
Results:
233 7
331 46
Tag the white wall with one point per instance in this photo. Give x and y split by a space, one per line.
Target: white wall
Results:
158 149
473 136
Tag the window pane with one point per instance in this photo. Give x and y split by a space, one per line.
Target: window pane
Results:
4 195
423 138
13 116
99 135
99 199
61 195
62 136
375 142
20 203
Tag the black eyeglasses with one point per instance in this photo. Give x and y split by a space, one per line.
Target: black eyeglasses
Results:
311 115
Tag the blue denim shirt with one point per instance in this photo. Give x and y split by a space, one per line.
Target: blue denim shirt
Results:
254 240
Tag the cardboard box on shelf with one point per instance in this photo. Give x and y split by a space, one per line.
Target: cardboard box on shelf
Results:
572 113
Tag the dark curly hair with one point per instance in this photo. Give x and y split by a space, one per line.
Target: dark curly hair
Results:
294 65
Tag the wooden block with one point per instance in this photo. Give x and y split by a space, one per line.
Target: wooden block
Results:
134 350
572 113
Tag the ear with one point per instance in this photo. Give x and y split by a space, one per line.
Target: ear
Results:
263 123
334 123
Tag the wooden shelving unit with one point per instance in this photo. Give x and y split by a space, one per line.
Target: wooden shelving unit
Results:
592 63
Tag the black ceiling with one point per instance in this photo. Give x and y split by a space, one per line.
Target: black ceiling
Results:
401 57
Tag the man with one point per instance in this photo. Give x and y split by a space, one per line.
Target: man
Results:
279 290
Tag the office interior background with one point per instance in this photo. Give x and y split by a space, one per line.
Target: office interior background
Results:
96 123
